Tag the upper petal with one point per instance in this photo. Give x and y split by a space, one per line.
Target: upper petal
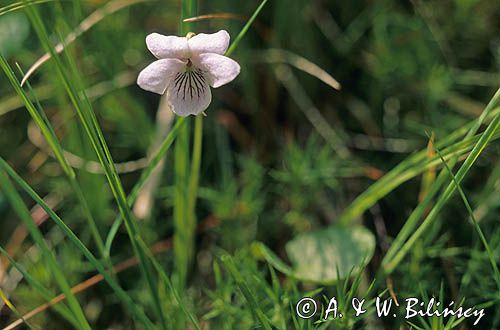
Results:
209 43
156 76
189 93
221 69
167 46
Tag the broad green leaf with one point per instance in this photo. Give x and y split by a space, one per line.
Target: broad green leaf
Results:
323 256
327 255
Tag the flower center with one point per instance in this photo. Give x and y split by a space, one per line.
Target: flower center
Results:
190 84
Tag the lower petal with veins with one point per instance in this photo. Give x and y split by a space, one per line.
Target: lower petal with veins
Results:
189 92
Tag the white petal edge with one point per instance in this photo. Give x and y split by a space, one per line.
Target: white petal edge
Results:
220 69
167 46
157 76
209 43
184 103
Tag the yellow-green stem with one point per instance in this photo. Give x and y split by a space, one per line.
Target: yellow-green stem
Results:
183 215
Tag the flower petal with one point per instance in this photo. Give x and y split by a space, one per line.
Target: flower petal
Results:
167 46
221 69
156 76
209 43
189 93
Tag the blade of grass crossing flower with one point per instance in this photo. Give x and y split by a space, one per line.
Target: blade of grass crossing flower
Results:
50 260
120 293
71 80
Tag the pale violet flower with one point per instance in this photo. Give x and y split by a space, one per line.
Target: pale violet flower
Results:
186 69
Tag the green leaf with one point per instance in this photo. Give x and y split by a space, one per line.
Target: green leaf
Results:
327 255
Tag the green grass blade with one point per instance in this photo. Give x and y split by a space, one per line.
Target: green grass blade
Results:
155 160
20 5
229 264
11 306
74 87
168 284
120 293
405 170
23 213
48 131
417 214
40 288
389 264
38 117
244 31
474 222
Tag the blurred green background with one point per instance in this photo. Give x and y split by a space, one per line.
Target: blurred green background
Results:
284 153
